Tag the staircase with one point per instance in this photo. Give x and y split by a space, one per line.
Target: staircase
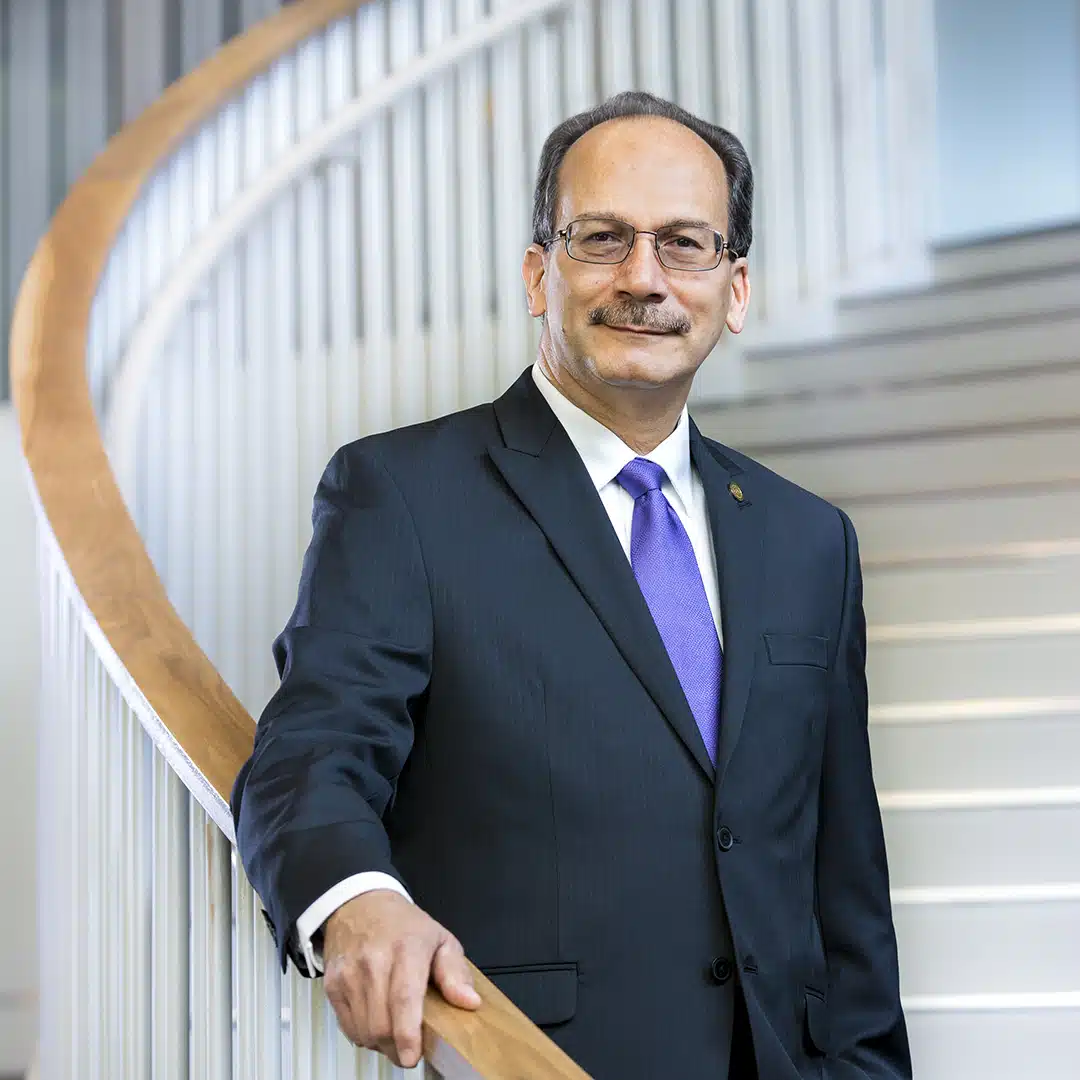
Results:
946 421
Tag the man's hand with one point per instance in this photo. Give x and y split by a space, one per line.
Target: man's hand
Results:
379 952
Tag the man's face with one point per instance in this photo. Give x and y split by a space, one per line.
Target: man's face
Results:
649 172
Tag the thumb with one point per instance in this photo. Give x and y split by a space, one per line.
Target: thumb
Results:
452 976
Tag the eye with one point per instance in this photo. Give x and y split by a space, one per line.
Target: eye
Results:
686 243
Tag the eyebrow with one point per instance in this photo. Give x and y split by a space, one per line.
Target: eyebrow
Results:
611 216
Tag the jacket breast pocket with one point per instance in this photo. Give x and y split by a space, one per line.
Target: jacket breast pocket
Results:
803 650
545 993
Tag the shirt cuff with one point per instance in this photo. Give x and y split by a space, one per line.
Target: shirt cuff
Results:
311 921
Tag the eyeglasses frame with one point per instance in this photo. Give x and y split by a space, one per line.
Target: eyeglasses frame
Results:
564 235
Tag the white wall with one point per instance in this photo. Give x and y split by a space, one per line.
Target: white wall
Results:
1008 113
18 755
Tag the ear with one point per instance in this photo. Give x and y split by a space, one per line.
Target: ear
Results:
740 297
533 272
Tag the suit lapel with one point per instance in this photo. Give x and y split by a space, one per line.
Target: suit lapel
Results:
541 466
738 534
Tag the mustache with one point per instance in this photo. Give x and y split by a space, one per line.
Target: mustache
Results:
642 316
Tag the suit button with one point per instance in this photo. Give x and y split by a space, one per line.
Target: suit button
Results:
724 838
721 970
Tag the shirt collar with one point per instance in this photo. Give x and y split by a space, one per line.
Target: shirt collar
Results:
605 454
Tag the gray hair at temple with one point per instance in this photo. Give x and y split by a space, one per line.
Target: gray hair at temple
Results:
729 149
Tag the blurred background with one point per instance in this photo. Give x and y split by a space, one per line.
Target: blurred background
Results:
913 357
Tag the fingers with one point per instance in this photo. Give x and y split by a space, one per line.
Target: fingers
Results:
381 952
452 975
405 1004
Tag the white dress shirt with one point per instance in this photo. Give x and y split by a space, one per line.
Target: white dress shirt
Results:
604 455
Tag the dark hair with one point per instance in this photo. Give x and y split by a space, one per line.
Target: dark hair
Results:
740 176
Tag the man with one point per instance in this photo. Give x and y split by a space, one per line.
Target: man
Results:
576 692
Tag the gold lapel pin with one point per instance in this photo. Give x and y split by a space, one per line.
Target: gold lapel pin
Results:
736 491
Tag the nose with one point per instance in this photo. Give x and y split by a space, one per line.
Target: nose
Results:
641 274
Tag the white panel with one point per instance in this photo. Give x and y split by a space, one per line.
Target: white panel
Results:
693 58
777 161
579 56
983 847
376 260
143 25
27 206
616 47
82 979
511 229
654 46
202 22
312 286
542 113
732 68
260 522
859 101
1023 749
474 267
342 252
233 612
816 186
169 987
280 311
905 673
204 457
409 354
86 109
179 483
910 85
442 231
991 1044
210 977
137 973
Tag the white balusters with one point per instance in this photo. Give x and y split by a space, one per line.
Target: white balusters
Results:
511 205
343 256
579 58
442 228
378 286
234 480
474 241
654 46
408 247
860 112
375 237
312 291
693 60
279 310
170 926
815 189
777 159
616 46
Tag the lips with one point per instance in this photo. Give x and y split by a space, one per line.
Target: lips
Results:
640 330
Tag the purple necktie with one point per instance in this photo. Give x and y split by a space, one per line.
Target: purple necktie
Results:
667 572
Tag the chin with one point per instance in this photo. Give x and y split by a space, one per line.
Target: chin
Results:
651 363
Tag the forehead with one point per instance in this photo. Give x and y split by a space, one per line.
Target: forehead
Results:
644 169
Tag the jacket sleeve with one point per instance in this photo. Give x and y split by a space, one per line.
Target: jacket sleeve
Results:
354 661
867 1036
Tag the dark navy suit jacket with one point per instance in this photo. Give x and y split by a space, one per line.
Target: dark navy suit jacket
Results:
474 698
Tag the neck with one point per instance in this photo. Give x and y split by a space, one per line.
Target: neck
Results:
643 417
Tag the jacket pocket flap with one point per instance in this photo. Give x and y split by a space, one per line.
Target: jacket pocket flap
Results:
817 1023
797 649
545 993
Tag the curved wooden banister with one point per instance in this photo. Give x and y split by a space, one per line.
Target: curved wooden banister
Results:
96 535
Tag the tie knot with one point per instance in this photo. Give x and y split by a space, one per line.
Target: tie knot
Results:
640 476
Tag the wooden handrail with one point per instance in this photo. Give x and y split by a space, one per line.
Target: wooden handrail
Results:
95 533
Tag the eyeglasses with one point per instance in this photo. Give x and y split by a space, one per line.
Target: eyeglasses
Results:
609 241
